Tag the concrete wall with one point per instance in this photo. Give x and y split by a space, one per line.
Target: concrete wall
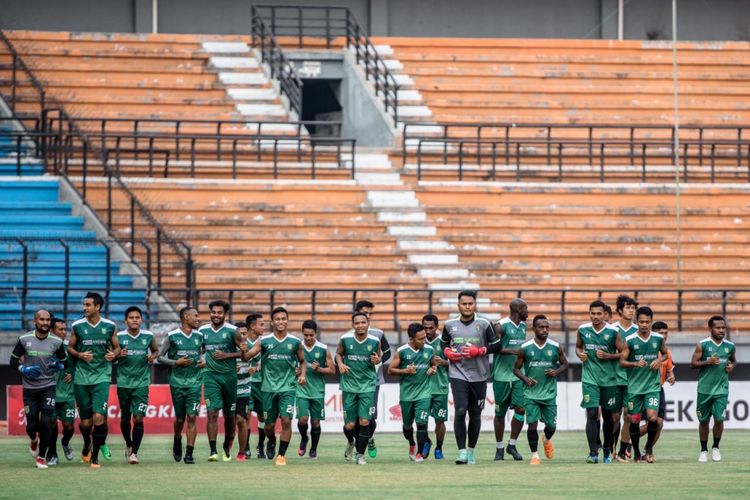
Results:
644 19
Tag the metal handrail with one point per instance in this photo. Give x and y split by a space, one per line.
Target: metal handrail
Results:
16 65
278 64
329 23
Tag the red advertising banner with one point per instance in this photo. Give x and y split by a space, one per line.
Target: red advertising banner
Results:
159 416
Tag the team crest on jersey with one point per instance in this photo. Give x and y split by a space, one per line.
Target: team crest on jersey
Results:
726 350
317 355
454 328
606 337
28 344
195 341
425 355
636 347
289 346
653 344
478 329
369 348
550 353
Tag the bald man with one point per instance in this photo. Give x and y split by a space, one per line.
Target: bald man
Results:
38 356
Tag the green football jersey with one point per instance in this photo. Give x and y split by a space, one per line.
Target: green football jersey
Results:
64 390
316 383
220 340
279 360
362 376
713 380
440 379
190 346
597 371
620 372
513 336
644 380
133 370
97 339
255 362
418 385
244 382
536 361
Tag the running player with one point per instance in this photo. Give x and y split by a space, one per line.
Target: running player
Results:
138 351
256 328
439 393
65 406
357 356
182 351
91 339
639 353
223 344
714 356
507 388
625 307
367 307
596 347
311 396
466 341
39 356
539 362
280 353
667 375
244 400
414 362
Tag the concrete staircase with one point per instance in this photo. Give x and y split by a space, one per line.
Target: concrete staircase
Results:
398 207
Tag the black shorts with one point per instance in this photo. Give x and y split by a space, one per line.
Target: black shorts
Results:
662 404
37 400
468 395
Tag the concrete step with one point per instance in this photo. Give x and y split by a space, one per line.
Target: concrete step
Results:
234 62
443 273
454 285
402 216
392 199
412 231
262 109
378 179
256 78
433 259
424 245
225 47
264 94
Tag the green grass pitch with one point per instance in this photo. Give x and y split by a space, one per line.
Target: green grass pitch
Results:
675 474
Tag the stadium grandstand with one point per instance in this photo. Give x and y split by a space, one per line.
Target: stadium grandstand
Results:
314 156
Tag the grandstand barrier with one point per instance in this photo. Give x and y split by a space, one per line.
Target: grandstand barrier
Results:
305 26
21 78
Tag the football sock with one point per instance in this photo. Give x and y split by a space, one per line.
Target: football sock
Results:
409 435
608 425
137 436
349 435
67 435
635 437
86 434
189 451
99 437
315 434
421 437
652 428
302 428
704 445
362 438
716 442
549 432
212 446
125 429
592 430
283 445
533 436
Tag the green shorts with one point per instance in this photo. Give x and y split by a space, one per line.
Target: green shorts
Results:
638 403
65 411
314 408
278 404
358 406
186 401
711 405
91 399
546 411
507 394
133 401
439 407
220 392
595 395
415 411
256 399
243 405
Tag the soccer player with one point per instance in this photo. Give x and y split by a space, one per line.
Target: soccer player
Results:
182 350
39 356
256 328
466 341
244 399
506 386
311 396
714 356
91 339
625 307
667 375
639 353
367 307
280 353
65 406
414 362
538 364
222 343
439 393
596 347
357 356
138 351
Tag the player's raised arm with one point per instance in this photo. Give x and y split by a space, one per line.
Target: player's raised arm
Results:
83 355
393 368
249 354
696 362
329 368
163 356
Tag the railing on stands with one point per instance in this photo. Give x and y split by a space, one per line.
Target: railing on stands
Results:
149 244
308 24
23 90
683 309
24 253
485 147
270 52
